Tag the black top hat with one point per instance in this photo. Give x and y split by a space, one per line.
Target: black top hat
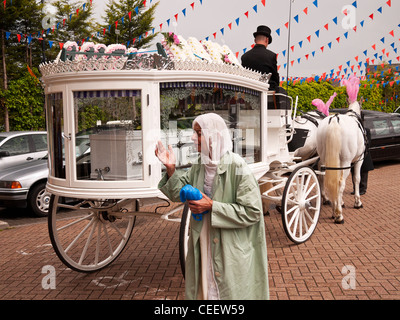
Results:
265 31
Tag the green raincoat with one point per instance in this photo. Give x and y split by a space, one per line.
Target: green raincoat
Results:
237 232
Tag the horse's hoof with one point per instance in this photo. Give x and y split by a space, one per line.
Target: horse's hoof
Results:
358 207
339 222
326 202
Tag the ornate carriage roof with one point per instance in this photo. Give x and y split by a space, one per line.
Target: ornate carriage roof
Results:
167 57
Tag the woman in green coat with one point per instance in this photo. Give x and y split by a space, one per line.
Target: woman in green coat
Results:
227 252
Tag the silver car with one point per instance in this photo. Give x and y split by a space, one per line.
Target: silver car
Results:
24 185
21 146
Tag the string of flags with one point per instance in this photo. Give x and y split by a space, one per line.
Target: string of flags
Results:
255 9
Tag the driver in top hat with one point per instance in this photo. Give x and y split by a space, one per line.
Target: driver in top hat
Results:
259 58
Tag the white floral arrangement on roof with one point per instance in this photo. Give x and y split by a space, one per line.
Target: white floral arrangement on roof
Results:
198 49
176 47
215 51
230 55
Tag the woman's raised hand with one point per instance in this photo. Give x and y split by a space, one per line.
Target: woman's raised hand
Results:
167 157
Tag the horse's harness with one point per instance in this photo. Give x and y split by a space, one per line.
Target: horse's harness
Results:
359 122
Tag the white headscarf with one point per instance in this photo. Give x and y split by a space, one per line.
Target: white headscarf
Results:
217 137
218 140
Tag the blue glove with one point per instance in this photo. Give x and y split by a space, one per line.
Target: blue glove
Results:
190 193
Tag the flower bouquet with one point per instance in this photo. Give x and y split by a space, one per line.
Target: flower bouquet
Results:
118 49
172 39
100 48
178 49
230 56
88 47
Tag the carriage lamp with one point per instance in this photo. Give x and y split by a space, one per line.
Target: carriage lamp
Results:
10 184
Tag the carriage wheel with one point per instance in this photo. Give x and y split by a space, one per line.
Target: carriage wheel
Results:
85 234
184 236
301 204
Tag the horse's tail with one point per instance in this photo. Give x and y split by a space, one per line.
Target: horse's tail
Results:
332 159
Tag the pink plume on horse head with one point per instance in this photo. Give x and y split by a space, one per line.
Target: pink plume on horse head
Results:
321 106
352 87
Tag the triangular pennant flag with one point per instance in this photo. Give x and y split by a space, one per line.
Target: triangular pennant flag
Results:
306 10
263 2
287 25
371 16
246 14
383 40
373 46
50 43
278 31
309 38
116 24
237 21
168 21
130 15
296 18
315 3
326 26
338 39
176 17
354 4
184 12
335 20
380 10
389 3
255 8
317 33
137 10
192 5
362 23
61 45
346 34
230 26
391 33
222 31
19 37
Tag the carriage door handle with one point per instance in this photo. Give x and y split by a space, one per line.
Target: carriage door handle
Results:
29 158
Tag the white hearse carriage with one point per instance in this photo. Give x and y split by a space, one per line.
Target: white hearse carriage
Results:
105 113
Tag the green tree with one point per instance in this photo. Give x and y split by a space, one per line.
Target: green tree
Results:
72 25
19 21
133 28
25 102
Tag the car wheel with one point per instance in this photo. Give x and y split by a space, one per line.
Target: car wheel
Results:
39 200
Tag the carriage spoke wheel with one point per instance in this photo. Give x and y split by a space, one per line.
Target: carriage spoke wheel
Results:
301 204
85 234
184 236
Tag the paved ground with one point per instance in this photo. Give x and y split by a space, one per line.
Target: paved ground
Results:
367 246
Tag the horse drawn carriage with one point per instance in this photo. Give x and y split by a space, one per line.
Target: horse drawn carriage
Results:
105 113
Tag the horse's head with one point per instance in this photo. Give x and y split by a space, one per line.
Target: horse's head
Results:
355 106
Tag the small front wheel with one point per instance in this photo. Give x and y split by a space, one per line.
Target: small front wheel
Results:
301 204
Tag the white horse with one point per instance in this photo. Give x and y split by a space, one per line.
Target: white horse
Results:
341 144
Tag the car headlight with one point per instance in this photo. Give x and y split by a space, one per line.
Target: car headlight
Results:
10 184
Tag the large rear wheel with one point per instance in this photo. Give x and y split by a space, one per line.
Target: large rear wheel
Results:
85 234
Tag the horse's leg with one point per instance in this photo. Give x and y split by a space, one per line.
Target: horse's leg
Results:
321 177
357 178
339 204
